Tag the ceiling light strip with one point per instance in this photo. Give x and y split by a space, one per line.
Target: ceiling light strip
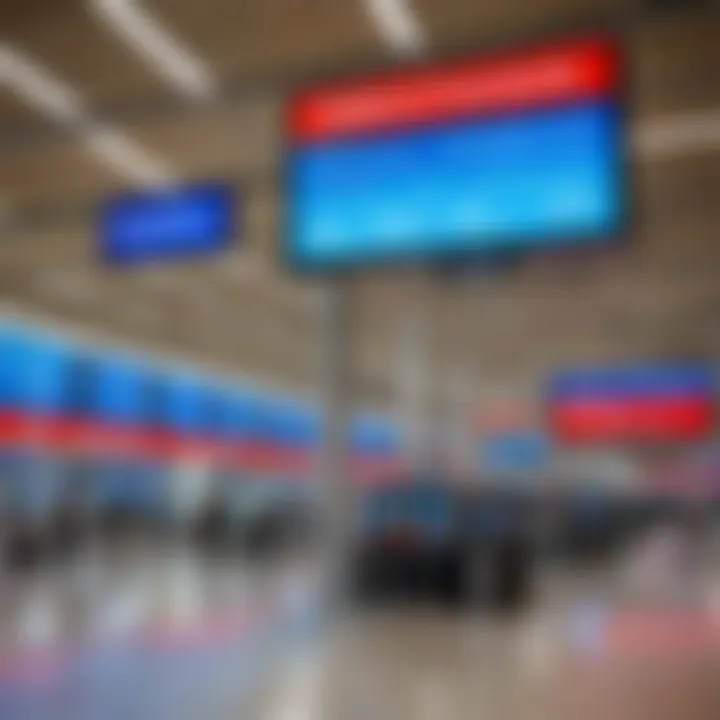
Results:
41 90
398 25
126 157
164 53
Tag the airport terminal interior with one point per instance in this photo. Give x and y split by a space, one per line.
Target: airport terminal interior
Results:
359 359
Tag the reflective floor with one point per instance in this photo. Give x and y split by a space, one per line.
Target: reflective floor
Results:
141 631
592 645
164 632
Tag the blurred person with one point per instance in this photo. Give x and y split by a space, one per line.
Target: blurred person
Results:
665 564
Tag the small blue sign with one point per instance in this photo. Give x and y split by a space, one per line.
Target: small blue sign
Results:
170 223
517 452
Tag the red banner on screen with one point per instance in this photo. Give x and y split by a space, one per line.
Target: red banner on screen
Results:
69 437
549 75
617 419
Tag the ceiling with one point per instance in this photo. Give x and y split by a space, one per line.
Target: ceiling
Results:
655 295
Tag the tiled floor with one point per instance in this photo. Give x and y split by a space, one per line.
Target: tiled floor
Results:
165 633
584 650
141 632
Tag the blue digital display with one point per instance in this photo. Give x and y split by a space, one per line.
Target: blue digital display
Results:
172 223
490 184
476 158
119 391
81 384
184 403
635 381
32 370
295 426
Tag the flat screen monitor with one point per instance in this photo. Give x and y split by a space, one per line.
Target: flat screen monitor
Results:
637 403
179 222
488 155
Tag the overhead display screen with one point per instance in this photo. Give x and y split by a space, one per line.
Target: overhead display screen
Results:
664 403
510 152
170 223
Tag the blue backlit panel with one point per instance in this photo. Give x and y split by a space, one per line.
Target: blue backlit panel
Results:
478 158
173 223
638 403
490 184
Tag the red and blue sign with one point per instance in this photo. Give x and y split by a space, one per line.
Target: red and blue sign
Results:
510 152
62 399
659 403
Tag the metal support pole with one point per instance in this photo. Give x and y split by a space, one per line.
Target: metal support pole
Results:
460 398
335 477
412 382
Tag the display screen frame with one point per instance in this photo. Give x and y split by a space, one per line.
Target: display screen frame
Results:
680 399
222 194
487 248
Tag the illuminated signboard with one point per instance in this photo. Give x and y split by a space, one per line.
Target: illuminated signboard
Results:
523 451
488 155
633 403
169 223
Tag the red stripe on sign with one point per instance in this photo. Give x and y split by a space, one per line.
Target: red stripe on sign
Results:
83 438
576 70
664 633
652 419
12 428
